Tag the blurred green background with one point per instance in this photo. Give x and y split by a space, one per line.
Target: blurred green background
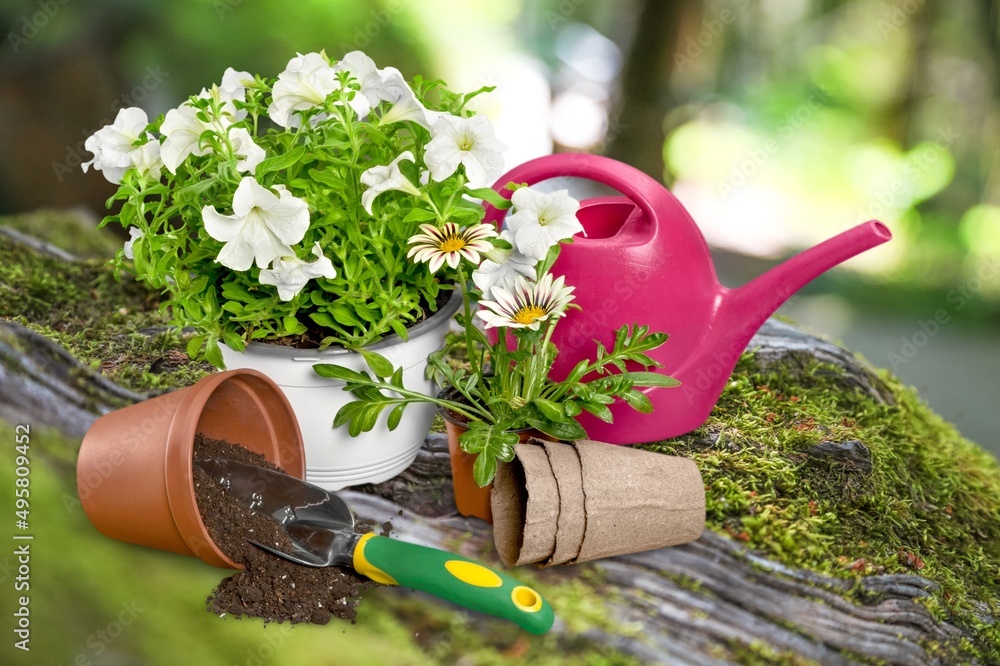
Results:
778 123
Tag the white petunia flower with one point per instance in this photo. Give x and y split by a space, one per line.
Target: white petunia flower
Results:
541 220
467 141
182 130
526 304
501 268
249 154
305 84
233 87
134 233
405 105
371 79
394 87
146 158
450 244
114 146
290 274
263 226
381 179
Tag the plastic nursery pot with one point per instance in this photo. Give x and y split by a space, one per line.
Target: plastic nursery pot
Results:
470 498
334 459
134 471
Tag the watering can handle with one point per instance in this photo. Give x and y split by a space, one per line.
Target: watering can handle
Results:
650 195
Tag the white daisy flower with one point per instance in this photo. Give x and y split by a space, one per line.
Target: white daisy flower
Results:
527 304
450 244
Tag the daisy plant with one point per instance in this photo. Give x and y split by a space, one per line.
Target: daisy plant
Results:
279 209
504 385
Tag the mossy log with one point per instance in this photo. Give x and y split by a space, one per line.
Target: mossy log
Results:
758 586
689 599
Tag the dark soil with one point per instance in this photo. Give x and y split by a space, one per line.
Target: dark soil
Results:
315 334
268 587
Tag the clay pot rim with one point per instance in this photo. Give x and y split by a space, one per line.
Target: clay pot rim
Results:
179 459
446 311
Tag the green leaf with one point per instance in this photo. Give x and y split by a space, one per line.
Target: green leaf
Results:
484 469
599 410
639 401
233 341
194 345
234 291
650 379
570 430
398 328
550 410
327 178
379 364
419 215
325 320
543 267
279 162
491 196
490 442
395 416
195 188
578 371
331 371
292 325
345 316
213 353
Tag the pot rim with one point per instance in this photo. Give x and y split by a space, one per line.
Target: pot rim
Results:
446 311
179 461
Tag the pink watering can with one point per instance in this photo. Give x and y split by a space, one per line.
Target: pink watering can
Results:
645 261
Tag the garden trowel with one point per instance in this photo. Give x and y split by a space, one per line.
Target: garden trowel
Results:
321 527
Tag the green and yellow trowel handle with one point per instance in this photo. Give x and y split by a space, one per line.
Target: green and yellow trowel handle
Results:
452 577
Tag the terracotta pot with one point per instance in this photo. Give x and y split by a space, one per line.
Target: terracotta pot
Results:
470 498
134 469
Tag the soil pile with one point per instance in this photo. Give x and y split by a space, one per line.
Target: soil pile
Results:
268 587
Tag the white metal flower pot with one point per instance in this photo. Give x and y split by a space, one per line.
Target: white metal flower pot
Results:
334 459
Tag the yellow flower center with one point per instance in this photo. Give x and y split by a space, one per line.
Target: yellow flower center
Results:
529 314
452 244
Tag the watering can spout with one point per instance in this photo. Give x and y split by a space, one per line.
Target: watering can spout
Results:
745 309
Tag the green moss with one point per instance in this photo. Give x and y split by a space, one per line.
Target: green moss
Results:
68 230
759 653
930 505
112 326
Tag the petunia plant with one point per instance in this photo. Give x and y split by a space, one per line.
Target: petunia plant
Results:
505 386
280 209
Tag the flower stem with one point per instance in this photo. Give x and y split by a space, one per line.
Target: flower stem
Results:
470 350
